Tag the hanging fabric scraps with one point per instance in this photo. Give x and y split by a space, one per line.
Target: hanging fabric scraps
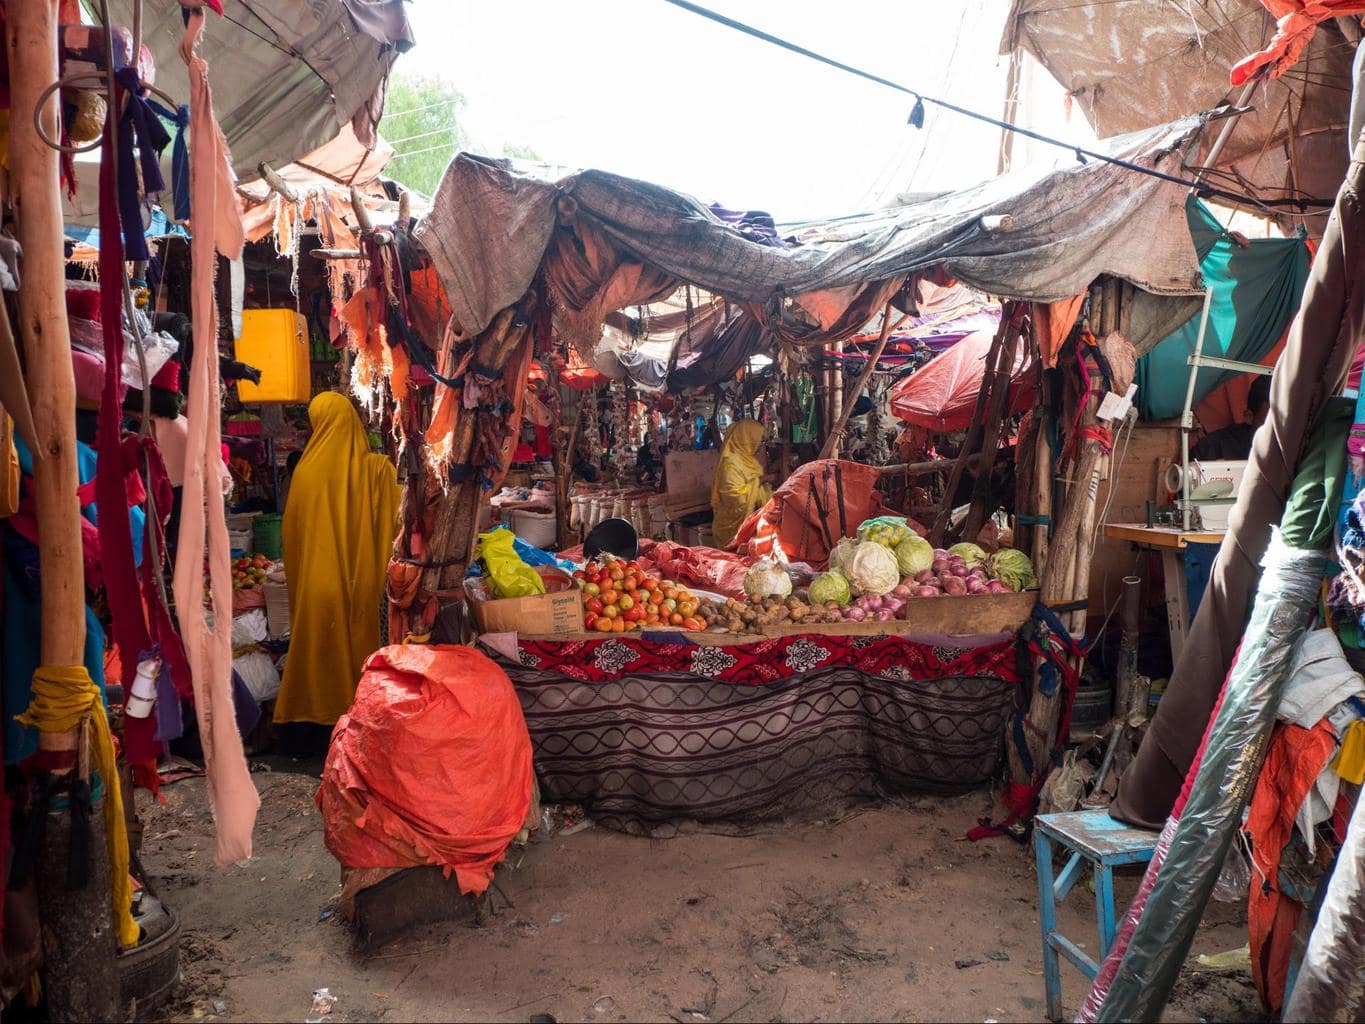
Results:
203 527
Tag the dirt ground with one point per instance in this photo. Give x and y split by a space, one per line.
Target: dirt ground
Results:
883 914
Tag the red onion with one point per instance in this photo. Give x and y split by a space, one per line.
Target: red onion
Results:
855 614
976 585
955 585
872 602
996 587
928 591
927 576
941 553
901 591
894 603
885 615
959 570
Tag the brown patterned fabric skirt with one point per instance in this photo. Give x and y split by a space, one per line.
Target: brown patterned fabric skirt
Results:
640 749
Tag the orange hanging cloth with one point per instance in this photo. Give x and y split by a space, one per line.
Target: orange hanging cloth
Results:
1296 22
1293 761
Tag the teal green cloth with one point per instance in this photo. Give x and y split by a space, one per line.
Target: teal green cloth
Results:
1256 292
1310 509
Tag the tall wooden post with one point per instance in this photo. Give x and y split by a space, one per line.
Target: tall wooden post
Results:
80 974
35 183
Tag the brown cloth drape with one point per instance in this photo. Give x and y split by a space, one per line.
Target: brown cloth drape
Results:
1321 342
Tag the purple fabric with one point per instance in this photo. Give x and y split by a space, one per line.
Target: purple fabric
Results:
244 706
950 332
170 719
139 123
754 225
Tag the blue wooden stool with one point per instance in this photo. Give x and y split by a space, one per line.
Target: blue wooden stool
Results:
1094 837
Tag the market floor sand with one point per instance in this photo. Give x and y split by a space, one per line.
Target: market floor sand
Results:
881 914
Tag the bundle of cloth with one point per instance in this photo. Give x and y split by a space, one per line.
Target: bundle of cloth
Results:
822 502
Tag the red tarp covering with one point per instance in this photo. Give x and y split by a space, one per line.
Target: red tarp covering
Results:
942 396
432 765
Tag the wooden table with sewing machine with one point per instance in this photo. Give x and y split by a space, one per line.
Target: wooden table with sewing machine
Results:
1171 542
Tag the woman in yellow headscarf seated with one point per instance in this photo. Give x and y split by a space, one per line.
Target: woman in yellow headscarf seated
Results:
738 488
339 525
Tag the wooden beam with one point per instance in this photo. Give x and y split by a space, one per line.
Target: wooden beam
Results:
831 446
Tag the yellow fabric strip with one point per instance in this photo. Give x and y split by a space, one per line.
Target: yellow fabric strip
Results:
1350 759
63 698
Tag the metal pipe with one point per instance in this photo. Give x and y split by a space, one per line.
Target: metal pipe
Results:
1130 621
1187 416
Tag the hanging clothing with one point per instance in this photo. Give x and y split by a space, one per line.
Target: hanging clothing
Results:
738 487
339 527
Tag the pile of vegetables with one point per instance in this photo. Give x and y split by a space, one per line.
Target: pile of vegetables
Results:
619 596
250 573
749 616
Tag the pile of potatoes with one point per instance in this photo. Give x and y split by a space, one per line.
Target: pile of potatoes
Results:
733 616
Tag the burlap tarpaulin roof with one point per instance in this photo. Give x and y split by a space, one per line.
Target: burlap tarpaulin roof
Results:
1131 64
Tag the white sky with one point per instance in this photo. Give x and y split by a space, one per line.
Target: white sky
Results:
648 90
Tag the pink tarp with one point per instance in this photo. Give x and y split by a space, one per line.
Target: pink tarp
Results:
942 396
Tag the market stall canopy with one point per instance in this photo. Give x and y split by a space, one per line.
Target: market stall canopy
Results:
288 75
942 396
606 242
1130 66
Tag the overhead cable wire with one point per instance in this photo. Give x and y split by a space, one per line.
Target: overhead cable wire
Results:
921 99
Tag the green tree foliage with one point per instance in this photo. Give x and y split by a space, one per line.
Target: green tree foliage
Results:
422 123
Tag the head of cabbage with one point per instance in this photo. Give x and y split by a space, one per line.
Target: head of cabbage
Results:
840 554
873 569
914 555
767 579
972 554
829 586
1013 568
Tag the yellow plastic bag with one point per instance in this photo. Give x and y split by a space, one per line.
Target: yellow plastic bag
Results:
506 575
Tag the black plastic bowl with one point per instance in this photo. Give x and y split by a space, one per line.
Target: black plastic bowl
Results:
615 537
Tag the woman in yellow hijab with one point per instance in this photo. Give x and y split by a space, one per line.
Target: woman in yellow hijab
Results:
339 525
738 488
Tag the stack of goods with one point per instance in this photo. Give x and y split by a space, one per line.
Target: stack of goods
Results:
619 597
875 576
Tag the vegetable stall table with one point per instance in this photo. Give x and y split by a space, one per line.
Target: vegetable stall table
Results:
653 727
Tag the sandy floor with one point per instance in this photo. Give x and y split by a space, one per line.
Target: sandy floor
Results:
883 914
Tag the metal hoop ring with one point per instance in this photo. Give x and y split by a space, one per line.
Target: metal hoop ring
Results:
95 76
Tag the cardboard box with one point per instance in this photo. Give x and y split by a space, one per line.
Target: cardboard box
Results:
556 612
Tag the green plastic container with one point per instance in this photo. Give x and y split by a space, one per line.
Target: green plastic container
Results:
265 535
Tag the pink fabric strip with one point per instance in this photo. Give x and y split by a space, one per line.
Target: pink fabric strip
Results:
216 229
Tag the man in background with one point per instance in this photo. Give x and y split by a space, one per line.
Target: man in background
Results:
1233 442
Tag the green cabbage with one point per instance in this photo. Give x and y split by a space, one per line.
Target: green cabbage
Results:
1012 568
829 586
914 555
873 569
970 553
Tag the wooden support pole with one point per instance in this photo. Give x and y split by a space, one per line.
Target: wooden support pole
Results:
973 435
831 446
43 327
994 426
80 974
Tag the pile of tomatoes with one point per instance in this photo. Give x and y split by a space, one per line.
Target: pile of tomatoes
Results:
619 596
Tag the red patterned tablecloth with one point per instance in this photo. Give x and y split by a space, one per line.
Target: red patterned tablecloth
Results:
772 659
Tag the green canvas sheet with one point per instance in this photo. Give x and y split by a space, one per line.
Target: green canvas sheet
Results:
1256 292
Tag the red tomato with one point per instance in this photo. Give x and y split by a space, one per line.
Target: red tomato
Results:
594 605
603 625
589 620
